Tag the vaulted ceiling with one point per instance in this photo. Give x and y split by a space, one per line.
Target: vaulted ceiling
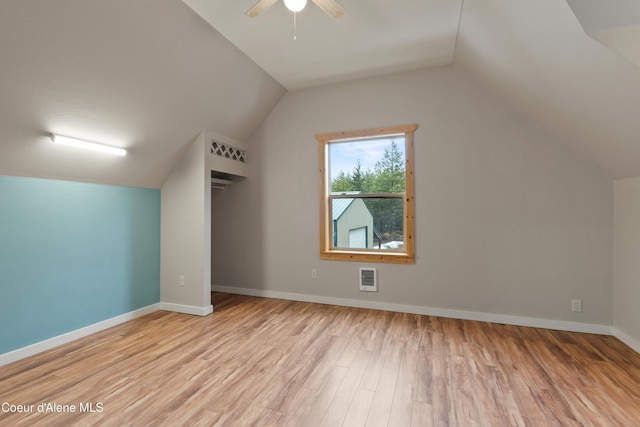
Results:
537 56
146 75
374 37
149 75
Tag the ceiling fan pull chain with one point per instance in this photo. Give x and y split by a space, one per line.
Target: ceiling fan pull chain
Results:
294 25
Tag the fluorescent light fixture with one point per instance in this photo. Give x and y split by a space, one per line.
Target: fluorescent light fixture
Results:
58 139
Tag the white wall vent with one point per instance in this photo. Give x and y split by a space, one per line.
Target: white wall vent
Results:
228 151
224 155
368 279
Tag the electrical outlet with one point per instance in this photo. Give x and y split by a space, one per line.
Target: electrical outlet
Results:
182 281
314 273
576 305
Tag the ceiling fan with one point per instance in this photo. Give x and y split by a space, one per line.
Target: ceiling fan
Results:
331 7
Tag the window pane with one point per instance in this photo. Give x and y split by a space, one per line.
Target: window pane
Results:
368 166
371 223
366 195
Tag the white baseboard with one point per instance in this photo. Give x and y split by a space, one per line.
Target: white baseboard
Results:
560 325
50 343
631 342
186 309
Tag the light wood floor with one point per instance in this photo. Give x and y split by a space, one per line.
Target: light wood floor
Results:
268 362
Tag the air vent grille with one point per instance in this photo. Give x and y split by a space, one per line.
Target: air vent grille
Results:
368 279
227 151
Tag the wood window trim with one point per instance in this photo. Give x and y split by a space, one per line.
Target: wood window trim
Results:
407 256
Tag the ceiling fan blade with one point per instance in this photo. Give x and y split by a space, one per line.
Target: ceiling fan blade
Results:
259 7
331 7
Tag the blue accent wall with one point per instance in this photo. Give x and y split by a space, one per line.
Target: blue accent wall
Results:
73 254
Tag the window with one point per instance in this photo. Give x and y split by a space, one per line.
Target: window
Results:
366 195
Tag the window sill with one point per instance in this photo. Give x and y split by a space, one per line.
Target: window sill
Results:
387 258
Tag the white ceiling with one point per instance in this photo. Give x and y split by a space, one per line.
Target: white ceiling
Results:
536 55
374 37
148 75
533 54
144 75
614 24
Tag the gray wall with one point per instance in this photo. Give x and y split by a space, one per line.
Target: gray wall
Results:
507 220
627 254
185 247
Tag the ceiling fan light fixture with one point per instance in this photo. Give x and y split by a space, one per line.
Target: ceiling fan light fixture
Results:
295 5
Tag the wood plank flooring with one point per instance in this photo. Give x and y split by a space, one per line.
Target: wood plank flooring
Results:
267 362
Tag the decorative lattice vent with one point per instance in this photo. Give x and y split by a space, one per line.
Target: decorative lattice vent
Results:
227 151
